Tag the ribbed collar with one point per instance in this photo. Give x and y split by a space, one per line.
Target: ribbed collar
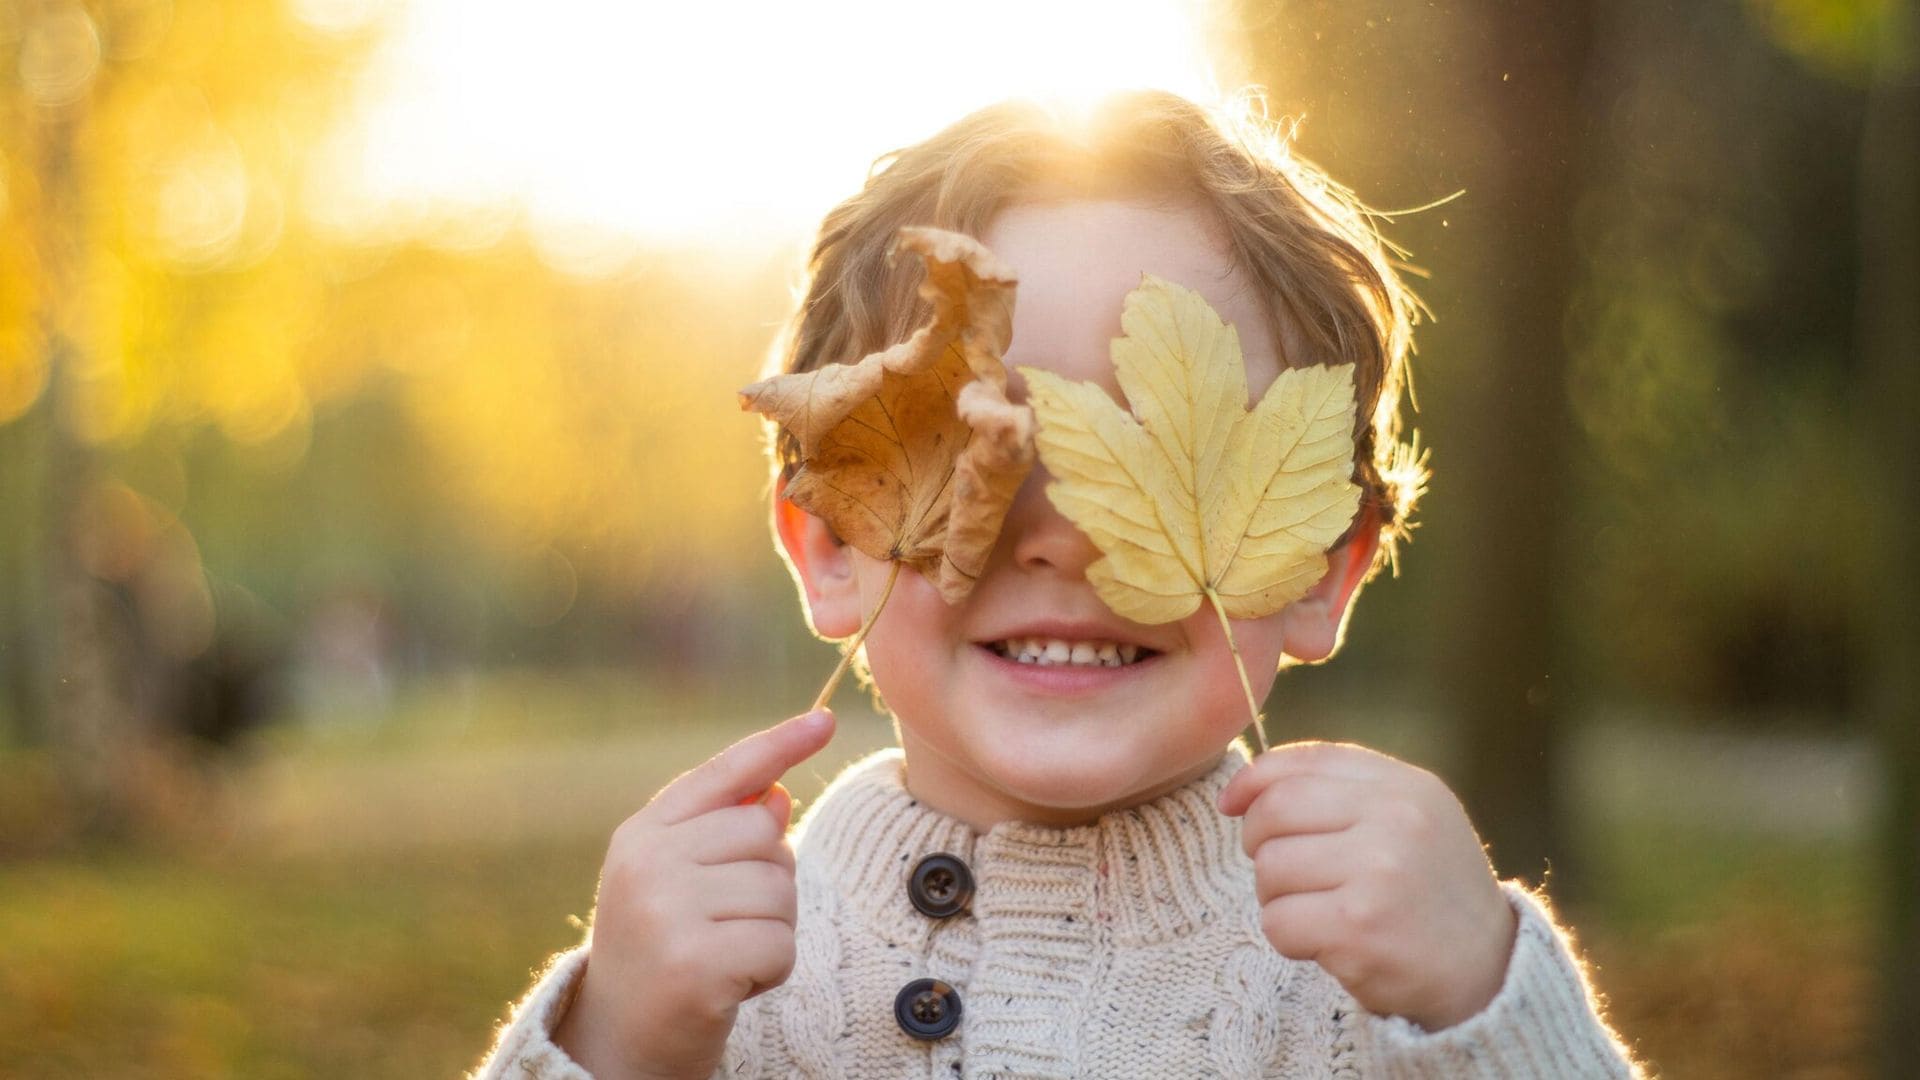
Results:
1153 872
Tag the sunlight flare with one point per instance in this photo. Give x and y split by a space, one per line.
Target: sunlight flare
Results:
708 123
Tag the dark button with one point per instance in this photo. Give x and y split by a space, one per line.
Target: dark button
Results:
940 885
927 1009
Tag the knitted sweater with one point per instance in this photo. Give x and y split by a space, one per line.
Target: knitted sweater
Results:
1130 947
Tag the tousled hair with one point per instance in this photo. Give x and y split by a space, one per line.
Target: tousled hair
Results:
1307 246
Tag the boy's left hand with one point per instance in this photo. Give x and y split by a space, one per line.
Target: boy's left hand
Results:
1369 867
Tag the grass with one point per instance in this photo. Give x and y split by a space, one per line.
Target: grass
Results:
170 965
379 895
1733 956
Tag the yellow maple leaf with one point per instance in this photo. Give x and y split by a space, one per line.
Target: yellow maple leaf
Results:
1194 496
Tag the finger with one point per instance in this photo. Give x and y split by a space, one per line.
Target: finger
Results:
733 834
1302 758
1303 864
747 890
1294 805
760 950
1302 926
745 769
779 804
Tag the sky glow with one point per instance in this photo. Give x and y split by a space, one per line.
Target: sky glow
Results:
706 123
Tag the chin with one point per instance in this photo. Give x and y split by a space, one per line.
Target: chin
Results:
1072 784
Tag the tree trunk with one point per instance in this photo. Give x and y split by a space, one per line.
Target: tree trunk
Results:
1503 679
22 562
1889 593
90 718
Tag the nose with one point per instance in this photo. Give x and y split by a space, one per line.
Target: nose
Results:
1039 537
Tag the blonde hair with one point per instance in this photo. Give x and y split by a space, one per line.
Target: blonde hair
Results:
1309 248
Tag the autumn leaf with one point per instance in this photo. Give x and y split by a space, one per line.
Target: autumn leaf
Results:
1194 496
913 454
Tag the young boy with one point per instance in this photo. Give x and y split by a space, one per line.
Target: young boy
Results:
1069 868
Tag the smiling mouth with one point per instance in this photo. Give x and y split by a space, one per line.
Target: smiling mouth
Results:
1059 652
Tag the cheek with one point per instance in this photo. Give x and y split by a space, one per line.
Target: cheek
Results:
1261 642
1217 696
915 626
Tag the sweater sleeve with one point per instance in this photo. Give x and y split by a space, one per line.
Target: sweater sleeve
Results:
524 1048
1544 1020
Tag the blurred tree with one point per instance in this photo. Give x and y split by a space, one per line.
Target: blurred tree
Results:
1506 679
229 392
1704 485
145 165
1412 104
1712 331
1888 595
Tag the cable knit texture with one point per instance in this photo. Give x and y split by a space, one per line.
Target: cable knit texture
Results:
1130 947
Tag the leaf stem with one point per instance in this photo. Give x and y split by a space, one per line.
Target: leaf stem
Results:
853 644
1240 667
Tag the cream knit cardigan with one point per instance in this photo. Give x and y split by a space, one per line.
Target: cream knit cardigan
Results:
1130 947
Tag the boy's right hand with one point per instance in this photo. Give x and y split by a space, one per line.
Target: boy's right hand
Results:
695 913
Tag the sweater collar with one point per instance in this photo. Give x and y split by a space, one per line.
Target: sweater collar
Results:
1156 871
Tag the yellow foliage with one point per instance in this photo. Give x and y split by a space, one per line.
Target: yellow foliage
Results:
185 287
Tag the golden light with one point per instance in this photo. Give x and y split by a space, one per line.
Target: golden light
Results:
712 123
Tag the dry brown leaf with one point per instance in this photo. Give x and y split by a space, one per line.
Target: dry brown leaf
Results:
914 454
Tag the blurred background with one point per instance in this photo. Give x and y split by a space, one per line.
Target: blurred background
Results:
377 527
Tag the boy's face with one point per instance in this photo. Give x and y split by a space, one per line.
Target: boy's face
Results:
988 738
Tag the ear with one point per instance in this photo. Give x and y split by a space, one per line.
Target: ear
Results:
822 567
1314 625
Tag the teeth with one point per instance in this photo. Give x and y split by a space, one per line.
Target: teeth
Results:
1055 651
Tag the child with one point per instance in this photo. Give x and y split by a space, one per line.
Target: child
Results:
1069 868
